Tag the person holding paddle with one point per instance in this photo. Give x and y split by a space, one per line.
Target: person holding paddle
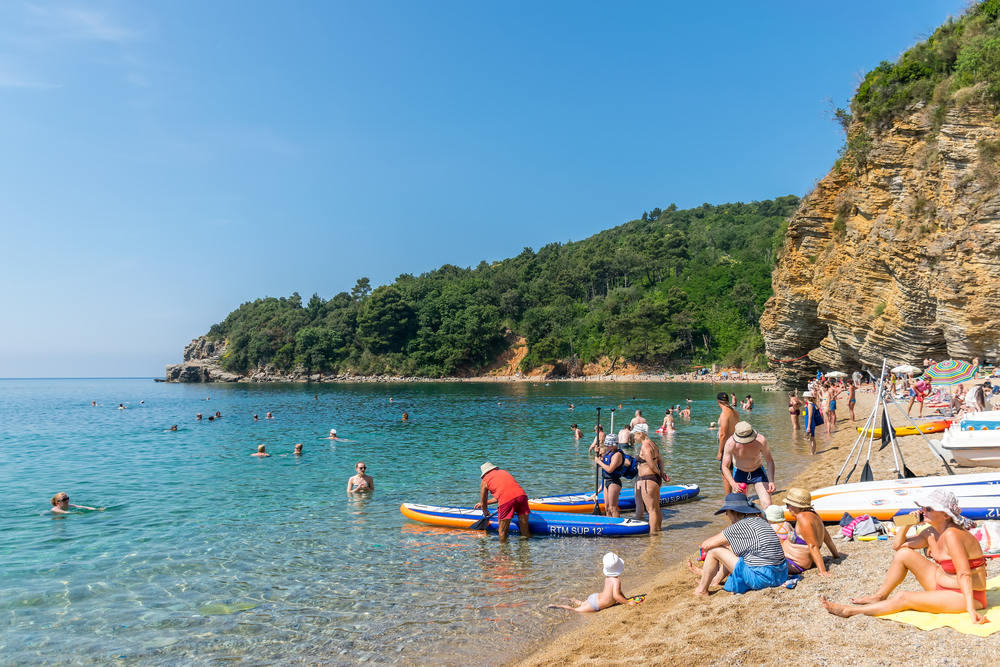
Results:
499 487
611 472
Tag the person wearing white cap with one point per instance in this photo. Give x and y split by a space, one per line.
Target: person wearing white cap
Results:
742 459
499 487
954 581
814 418
612 593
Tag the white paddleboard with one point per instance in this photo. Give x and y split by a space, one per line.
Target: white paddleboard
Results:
888 503
912 483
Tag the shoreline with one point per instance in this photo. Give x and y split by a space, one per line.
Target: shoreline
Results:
775 626
754 378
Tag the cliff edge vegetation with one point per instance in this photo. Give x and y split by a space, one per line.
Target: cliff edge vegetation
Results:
895 252
675 286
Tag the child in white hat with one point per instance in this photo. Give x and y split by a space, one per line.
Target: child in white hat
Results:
612 593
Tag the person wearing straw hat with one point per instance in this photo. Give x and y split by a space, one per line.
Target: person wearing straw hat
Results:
742 462
954 581
749 551
499 487
808 536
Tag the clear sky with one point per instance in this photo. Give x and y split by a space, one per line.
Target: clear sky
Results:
163 162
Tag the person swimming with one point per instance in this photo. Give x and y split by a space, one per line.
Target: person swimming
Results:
360 481
255 418
260 451
298 449
60 505
270 416
174 427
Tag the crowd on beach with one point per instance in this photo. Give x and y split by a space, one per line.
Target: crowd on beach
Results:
760 548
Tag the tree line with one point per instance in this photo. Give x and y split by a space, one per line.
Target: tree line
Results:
672 287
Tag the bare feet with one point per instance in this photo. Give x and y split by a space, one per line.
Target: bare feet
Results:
835 609
700 593
868 599
694 569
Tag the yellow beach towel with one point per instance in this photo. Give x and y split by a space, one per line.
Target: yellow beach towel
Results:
960 622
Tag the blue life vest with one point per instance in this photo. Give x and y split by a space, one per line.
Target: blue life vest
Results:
607 461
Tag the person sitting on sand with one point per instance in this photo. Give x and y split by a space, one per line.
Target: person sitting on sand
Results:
577 433
954 581
298 449
60 505
260 452
748 550
610 596
802 548
360 481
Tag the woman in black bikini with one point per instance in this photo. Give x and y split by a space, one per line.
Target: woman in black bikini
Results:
647 485
954 581
794 403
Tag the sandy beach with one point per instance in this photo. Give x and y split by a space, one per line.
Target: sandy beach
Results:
775 626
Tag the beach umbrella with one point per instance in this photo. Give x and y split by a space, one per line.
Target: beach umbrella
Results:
950 372
906 369
836 374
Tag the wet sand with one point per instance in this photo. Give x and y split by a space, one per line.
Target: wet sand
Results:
774 626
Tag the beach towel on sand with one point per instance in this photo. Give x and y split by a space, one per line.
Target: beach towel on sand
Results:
960 622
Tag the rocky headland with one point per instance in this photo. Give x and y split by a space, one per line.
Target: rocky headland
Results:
895 255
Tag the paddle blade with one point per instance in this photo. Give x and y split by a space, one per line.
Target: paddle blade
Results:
907 473
886 433
482 524
597 509
866 474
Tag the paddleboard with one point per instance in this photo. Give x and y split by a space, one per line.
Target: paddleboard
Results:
584 502
981 502
912 483
929 427
541 523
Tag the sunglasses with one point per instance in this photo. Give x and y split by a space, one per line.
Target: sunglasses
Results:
362 468
64 500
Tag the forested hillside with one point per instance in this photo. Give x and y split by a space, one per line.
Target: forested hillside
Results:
673 287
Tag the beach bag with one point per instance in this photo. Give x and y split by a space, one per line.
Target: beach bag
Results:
848 530
988 535
867 526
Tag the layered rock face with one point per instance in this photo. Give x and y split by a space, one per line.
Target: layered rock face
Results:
896 259
201 363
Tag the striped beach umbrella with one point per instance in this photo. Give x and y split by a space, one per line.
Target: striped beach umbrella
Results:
950 372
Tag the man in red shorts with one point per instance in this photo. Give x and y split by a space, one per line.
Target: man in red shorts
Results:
499 486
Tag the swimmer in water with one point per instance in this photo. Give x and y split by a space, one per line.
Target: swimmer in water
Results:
390 399
360 481
333 434
270 416
255 418
122 407
211 418
60 505
713 427
174 427
406 416
199 416
260 452
218 415
94 403
577 433
571 406
298 449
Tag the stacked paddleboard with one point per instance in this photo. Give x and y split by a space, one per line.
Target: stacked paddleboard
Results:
930 427
540 523
584 502
978 496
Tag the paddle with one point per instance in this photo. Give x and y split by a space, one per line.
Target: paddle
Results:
597 468
484 523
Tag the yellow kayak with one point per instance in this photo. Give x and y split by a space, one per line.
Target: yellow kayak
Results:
929 427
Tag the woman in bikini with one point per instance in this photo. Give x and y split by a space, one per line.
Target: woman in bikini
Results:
647 484
814 418
954 581
668 422
804 541
794 405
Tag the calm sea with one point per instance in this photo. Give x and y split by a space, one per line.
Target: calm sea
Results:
195 526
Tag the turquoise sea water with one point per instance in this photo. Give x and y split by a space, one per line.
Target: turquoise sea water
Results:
193 520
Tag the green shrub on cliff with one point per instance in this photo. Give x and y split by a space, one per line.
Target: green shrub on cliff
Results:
671 285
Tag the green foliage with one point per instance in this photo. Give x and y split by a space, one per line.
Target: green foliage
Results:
879 309
679 284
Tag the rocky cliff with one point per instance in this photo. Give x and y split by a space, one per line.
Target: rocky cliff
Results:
897 256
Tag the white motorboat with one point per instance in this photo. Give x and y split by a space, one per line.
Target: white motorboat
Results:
969 448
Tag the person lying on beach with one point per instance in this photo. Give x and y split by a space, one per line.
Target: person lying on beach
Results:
610 596
60 505
260 451
360 481
748 551
954 581
577 433
802 543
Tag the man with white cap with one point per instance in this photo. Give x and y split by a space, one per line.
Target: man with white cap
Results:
742 458
499 487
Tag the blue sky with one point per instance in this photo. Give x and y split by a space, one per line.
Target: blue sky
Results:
163 162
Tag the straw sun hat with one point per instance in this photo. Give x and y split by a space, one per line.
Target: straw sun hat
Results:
799 498
744 433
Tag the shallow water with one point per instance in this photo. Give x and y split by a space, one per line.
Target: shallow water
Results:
192 520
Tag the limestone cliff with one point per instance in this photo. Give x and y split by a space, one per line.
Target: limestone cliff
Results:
898 257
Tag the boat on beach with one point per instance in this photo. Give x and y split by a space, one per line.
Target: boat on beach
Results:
969 448
584 502
556 524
